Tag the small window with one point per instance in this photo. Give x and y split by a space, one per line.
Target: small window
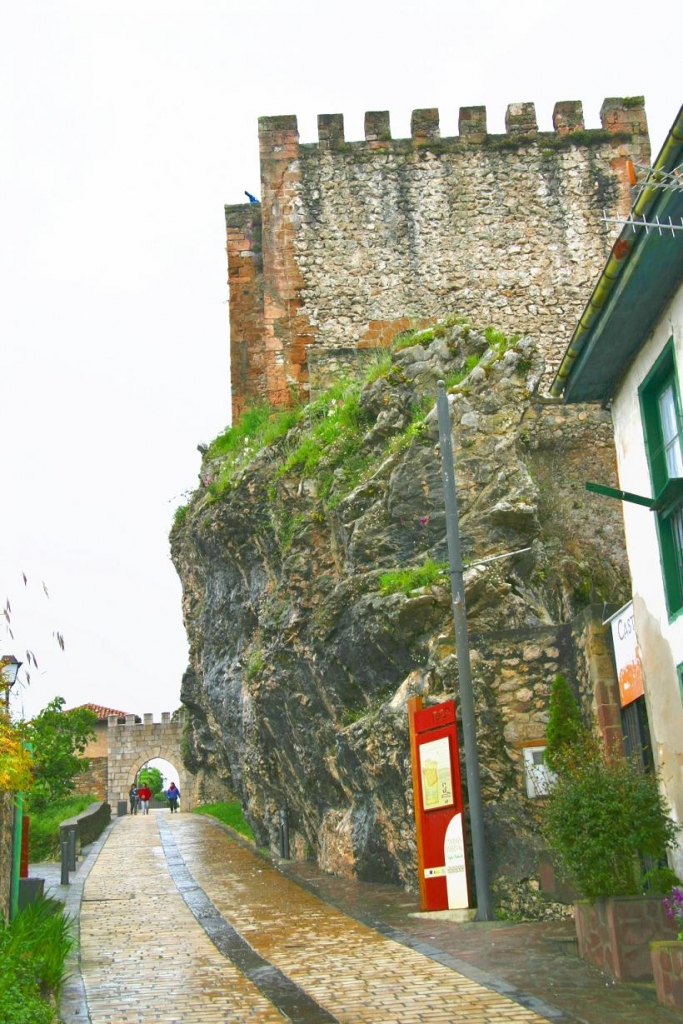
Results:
661 413
538 776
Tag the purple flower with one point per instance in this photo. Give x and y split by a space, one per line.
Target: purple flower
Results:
674 904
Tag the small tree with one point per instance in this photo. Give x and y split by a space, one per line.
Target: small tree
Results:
59 739
15 760
153 778
565 728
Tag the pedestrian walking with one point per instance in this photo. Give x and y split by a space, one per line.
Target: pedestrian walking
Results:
173 795
133 795
144 796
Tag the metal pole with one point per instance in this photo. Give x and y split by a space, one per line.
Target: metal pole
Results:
16 856
469 724
64 880
72 847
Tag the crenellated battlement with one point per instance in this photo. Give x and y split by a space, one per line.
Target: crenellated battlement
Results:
279 136
148 719
355 239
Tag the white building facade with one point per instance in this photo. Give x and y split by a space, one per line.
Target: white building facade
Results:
627 351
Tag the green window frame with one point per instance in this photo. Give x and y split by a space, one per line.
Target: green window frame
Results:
661 415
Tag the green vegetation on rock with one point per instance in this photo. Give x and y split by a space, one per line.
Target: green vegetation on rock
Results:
407 580
230 813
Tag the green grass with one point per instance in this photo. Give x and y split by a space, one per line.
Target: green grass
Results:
230 813
498 341
33 953
336 424
377 366
256 429
180 514
406 580
44 834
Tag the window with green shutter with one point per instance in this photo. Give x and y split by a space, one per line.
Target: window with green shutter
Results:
661 412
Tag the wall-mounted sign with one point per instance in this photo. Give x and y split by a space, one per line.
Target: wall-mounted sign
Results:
437 796
626 654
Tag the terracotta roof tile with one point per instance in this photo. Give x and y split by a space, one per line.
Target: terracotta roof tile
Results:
103 712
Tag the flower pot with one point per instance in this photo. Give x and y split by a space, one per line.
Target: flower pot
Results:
615 933
667 968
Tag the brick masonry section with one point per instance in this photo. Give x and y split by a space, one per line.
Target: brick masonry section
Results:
615 934
95 779
353 239
667 967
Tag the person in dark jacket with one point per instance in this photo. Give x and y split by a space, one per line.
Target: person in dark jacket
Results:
133 796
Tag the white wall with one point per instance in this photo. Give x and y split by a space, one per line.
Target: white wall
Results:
660 640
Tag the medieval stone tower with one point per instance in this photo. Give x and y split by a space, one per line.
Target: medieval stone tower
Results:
355 241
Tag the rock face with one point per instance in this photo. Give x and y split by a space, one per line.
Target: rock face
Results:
305 642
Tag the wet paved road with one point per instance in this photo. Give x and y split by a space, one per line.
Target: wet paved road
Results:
181 923
146 958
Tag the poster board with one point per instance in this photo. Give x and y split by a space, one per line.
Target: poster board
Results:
439 815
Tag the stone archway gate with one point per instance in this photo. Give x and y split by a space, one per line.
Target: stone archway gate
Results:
132 744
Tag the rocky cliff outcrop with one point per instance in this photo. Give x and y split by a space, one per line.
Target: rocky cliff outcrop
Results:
315 601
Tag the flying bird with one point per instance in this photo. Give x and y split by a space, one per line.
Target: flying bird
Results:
252 199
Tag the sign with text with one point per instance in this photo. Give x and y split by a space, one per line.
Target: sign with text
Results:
437 796
626 655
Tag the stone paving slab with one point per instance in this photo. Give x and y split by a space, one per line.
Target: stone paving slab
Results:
358 975
144 958
353 947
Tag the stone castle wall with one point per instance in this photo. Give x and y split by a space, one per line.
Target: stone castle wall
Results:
133 744
94 781
352 242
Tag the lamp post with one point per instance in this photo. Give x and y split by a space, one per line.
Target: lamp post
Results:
469 723
9 668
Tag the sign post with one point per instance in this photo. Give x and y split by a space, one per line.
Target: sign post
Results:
437 796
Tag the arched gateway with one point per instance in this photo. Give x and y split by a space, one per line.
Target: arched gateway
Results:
132 743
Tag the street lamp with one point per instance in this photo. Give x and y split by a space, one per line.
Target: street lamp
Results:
9 669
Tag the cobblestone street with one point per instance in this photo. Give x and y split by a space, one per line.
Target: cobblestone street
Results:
181 923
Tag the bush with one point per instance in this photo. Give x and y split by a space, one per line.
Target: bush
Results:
33 953
565 727
44 833
601 818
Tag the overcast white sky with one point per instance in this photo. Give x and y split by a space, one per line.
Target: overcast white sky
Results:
124 129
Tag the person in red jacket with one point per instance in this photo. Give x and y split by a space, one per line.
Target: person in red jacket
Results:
144 796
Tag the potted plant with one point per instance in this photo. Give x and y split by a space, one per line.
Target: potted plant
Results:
603 816
667 956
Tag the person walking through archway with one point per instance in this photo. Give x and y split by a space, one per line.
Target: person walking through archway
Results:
133 796
173 795
144 796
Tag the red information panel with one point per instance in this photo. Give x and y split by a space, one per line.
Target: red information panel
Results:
438 806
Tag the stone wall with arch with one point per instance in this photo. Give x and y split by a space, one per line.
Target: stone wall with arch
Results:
132 744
